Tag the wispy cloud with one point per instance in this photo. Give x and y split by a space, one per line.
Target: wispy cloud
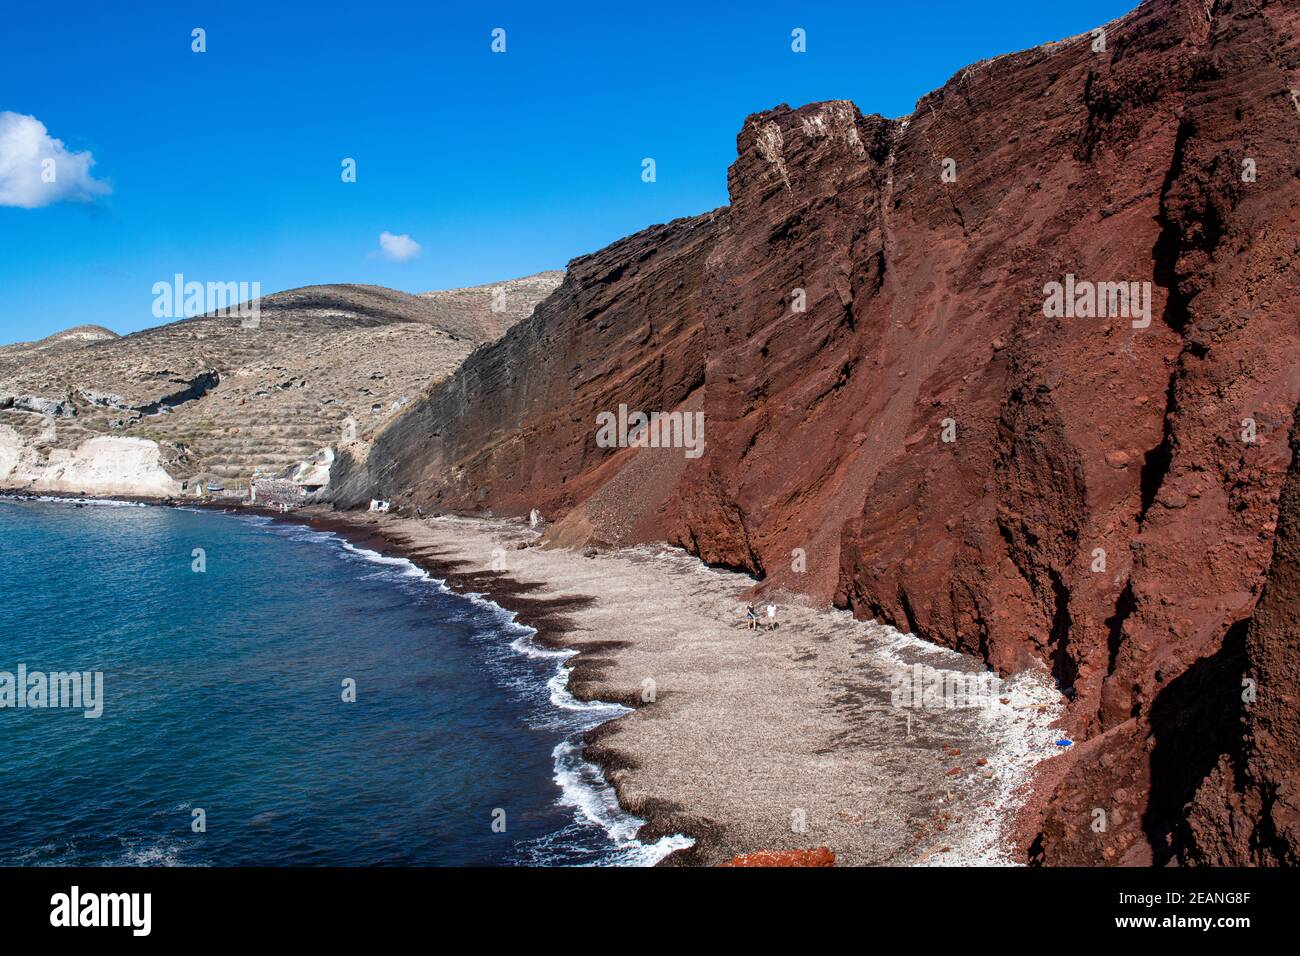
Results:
398 248
36 169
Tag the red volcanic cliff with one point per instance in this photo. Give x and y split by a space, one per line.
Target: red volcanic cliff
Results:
1247 812
892 422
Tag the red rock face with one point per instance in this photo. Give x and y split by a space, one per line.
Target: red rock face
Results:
1247 812
515 428
821 856
896 419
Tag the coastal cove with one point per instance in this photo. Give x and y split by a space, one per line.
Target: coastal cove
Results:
226 644
817 751
889 460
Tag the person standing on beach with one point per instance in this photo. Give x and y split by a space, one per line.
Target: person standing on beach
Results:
751 617
771 617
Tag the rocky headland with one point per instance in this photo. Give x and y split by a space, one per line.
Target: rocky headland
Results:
1013 374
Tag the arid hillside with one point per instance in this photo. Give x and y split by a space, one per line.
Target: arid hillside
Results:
323 365
1014 373
66 340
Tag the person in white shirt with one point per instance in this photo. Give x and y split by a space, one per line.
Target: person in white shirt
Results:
771 617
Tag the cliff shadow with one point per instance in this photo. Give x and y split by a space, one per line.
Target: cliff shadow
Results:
1194 720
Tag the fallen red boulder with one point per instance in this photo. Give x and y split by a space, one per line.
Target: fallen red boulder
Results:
821 856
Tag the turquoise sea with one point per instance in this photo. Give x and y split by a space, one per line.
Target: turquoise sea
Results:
223 692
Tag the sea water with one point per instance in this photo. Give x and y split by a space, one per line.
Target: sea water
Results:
230 648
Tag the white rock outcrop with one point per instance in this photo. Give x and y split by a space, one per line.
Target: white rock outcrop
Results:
313 472
98 466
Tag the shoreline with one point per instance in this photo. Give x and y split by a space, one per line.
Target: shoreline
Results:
543 617
816 742
546 618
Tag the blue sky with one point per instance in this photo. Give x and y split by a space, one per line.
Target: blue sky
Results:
225 165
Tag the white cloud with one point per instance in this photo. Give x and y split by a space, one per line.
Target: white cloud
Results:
36 169
398 248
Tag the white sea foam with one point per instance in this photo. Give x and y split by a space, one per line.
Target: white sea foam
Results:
403 566
162 853
310 537
560 697
57 499
584 788
530 648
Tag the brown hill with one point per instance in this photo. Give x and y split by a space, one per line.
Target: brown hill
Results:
73 338
323 363
931 441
